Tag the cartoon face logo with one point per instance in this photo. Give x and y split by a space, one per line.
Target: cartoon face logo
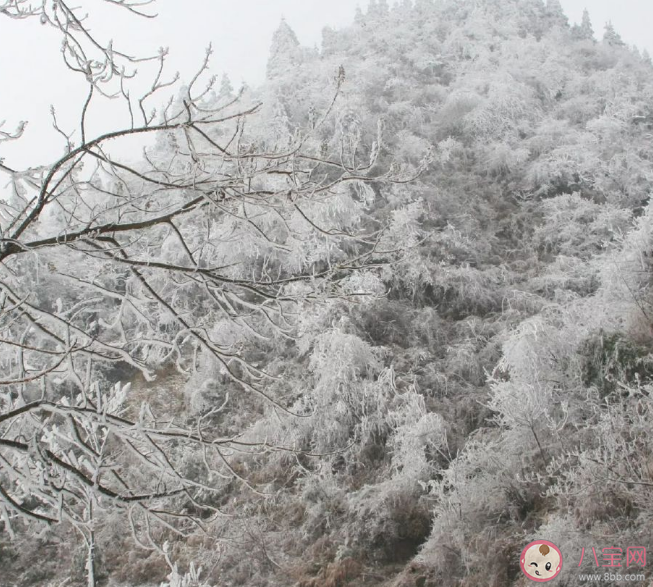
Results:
541 561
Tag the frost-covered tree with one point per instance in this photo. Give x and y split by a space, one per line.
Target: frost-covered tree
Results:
556 14
611 36
111 269
453 366
226 91
584 30
378 9
285 51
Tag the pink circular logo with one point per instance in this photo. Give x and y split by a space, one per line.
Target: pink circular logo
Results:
541 561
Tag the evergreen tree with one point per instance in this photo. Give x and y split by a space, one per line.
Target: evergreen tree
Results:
378 10
329 40
226 92
584 31
285 51
555 14
612 37
359 16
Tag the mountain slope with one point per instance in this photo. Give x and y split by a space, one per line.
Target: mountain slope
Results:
493 385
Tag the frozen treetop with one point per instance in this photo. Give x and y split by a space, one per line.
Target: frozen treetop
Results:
285 49
611 36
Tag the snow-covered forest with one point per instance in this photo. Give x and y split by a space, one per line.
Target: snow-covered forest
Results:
383 320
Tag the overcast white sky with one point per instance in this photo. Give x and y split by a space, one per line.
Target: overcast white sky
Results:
32 76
